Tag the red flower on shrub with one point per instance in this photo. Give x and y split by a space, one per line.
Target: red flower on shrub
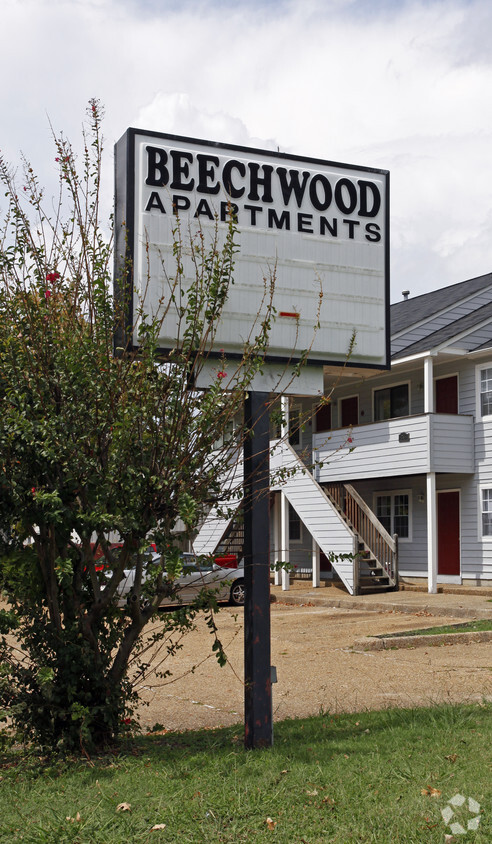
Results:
349 439
53 276
222 375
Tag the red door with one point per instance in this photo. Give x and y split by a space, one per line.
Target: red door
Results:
447 395
323 418
448 533
349 412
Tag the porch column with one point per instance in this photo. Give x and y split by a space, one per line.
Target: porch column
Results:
431 532
277 542
284 539
428 385
431 485
316 566
284 504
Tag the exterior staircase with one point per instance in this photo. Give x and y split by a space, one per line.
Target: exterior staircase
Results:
377 550
212 532
362 553
290 476
215 526
232 541
340 522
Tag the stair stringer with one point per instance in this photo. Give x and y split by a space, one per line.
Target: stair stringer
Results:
215 524
212 530
314 508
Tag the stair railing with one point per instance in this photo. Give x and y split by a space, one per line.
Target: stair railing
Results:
367 526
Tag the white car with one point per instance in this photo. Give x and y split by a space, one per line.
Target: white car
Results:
227 584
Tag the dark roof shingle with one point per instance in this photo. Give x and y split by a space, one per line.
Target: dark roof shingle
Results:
458 326
408 312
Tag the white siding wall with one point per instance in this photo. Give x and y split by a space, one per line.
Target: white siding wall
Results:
376 450
412 555
451 443
478 550
364 389
476 553
436 442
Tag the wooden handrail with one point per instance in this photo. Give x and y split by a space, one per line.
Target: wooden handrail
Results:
371 516
366 525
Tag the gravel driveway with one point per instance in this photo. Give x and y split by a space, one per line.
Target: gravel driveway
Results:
318 669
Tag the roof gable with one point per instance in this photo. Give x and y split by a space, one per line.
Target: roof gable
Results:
410 312
455 330
435 318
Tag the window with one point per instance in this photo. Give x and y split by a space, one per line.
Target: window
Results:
486 512
383 511
401 515
393 511
227 436
485 385
295 526
391 402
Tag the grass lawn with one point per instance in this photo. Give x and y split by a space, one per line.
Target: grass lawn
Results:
370 777
462 627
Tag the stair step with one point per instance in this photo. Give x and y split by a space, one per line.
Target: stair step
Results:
375 587
375 570
380 579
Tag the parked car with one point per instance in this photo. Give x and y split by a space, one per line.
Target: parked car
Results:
227 583
102 563
227 561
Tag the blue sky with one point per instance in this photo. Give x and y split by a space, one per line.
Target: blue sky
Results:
405 86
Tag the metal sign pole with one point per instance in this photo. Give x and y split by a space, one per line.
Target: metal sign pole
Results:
258 731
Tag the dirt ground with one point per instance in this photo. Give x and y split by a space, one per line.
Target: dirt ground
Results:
318 669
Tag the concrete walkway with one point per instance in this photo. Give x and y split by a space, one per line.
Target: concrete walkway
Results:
471 602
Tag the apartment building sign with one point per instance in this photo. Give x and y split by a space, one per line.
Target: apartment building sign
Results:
318 225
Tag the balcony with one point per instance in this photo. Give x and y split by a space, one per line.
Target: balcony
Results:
409 445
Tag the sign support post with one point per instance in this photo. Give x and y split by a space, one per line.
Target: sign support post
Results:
258 728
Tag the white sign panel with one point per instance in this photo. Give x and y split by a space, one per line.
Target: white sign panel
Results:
317 224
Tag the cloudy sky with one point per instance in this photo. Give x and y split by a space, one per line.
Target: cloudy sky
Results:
394 84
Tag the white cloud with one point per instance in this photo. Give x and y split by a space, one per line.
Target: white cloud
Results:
405 86
177 114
